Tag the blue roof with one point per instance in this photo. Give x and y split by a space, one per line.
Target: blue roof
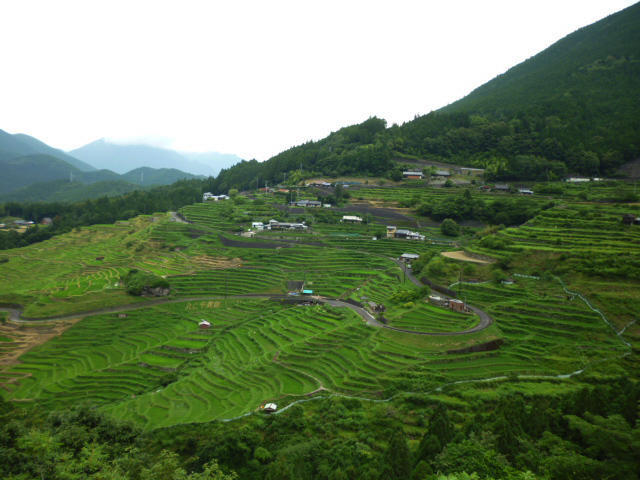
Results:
307 291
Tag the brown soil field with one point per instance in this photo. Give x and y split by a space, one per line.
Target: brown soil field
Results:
460 255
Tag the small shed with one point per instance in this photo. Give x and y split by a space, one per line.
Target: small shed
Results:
438 300
270 407
407 257
306 291
351 219
204 324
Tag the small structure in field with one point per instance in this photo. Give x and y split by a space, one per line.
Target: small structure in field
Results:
391 231
306 203
46 221
122 315
257 225
442 173
501 187
307 291
525 191
248 234
270 407
351 219
630 219
204 324
408 257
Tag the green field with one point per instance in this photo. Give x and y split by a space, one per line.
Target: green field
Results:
157 368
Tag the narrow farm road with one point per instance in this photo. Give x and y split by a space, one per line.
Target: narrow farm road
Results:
15 313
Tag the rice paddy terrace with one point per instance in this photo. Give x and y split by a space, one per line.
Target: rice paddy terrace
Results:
155 366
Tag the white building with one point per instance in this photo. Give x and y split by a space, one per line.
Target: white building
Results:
351 219
257 225
210 196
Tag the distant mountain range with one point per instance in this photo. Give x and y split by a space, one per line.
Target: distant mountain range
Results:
34 171
124 158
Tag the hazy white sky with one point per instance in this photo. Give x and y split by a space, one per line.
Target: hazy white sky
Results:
256 77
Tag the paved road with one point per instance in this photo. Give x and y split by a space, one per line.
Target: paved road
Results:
15 314
485 319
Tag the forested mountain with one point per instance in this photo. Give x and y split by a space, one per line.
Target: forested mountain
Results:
570 109
155 176
123 158
18 145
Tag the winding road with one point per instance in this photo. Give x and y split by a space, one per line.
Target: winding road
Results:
15 312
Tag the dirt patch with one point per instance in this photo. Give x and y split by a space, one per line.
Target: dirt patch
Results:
209 262
461 255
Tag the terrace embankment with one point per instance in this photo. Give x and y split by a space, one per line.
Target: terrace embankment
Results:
465 257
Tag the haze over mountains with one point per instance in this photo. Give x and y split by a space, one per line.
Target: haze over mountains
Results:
35 171
123 158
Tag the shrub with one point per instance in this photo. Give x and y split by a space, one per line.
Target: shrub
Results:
450 228
136 282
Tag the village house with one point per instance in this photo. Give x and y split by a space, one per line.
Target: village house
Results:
391 231
275 225
577 179
306 203
210 196
525 191
351 219
457 305
408 234
257 225
413 175
442 173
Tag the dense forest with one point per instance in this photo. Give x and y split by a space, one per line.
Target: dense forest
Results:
589 433
67 216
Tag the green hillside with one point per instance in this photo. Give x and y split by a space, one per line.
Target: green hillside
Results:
22 171
570 109
147 176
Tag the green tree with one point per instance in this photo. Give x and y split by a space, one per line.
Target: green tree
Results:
450 228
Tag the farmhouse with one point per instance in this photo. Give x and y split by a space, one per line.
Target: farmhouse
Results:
307 291
210 196
351 219
525 191
391 231
408 234
414 175
204 324
257 225
457 305
275 225
442 173
577 180
306 203
501 187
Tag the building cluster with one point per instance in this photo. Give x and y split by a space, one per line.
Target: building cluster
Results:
451 303
207 196
393 232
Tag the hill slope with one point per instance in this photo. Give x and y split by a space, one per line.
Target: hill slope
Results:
123 158
570 109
